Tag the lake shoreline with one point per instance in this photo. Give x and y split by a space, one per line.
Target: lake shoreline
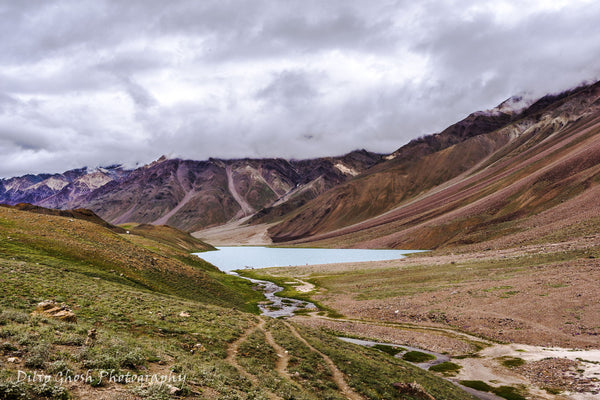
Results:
229 258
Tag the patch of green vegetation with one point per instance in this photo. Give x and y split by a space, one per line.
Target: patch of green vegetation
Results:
308 371
22 390
557 285
97 252
506 392
509 393
389 349
463 356
417 357
512 362
552 390
135 329
257 357
447 368
497 288
477 385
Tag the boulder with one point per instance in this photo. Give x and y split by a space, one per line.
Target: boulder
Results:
413 389
50 308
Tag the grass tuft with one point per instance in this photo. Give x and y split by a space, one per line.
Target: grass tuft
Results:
417 357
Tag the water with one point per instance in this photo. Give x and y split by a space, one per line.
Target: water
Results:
439 358
232 258
276 306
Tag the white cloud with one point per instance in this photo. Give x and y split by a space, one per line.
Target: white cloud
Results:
99 82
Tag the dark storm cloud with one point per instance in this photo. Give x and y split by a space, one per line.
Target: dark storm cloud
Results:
99 82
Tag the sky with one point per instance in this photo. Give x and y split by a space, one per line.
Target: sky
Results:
99 82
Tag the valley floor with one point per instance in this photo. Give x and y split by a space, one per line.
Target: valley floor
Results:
235 233
479 304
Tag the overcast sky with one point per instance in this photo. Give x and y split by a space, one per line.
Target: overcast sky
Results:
88 83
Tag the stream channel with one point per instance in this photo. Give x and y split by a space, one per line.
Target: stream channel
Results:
277 306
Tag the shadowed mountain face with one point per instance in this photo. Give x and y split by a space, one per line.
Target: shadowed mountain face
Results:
186 194
485 177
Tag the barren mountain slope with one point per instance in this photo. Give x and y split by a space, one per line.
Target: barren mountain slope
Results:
472 191
187 194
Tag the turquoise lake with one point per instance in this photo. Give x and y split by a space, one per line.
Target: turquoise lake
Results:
239 257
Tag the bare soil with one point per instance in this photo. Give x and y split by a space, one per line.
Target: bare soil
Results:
512 295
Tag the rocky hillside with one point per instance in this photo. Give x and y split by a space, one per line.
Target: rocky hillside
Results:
57 190
188 194
479 179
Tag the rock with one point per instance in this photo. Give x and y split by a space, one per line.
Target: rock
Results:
413 389
91 337
198 347
50 308
173 390
13 360
184 314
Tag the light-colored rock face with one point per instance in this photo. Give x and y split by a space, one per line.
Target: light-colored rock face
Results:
94 180
51 309
58 190
52 183
346 170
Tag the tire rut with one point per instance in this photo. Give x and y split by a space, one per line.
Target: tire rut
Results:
338 376
283 357
232 351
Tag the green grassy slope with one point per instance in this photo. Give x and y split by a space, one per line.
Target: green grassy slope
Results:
155 310
90 249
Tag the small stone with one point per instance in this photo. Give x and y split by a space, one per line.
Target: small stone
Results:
13 359
173 390
91 337
198 347
184 314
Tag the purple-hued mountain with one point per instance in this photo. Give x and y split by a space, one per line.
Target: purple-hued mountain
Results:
187 194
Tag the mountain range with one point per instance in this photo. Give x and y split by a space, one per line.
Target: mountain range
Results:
514 170
187 194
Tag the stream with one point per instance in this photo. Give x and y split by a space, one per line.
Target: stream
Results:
439 358
277 306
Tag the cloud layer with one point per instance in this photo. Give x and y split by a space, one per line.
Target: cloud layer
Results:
98 82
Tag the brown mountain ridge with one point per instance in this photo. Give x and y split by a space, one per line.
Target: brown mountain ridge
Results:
490 175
